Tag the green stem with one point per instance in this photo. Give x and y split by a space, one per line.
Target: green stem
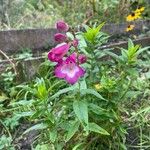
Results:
46 107
141 147
92 63
130 82
94 6
6 129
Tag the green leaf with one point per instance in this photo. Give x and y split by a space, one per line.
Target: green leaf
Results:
132 51
93 92
72 130
76 147
113 55
100 26
51 117
70 35
81 110
53 135
96 128
39 126
25 114
124 54
3 97
42 147
38 114
42 92
83 85
142 111
65 90
86 27
142 50
23 103
99 111
130 44
123 146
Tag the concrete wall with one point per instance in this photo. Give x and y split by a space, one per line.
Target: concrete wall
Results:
12 41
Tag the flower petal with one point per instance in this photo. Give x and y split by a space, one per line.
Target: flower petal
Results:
72 80
57 53
74 77
58 72
69 69
81 72
61 48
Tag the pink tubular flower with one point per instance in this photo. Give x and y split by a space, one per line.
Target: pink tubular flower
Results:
62 26
69 70
59 37
57 53
75 42
82 58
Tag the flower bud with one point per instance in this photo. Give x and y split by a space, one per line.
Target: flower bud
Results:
75 42
59 37
62 26
82 58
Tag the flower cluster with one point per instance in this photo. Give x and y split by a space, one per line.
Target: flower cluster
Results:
134 16
68 65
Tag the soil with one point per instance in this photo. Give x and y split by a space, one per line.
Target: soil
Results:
24 142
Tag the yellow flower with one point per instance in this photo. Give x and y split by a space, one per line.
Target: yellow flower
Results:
133 16
97 86
139 10
129 28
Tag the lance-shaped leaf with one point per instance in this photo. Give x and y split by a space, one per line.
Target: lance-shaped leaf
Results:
81 110
96 128
72 130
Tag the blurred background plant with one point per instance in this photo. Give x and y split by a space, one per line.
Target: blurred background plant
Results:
44 13
27 13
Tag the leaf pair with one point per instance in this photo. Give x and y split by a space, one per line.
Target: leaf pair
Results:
91 33
81 110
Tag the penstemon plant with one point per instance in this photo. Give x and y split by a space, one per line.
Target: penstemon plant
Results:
66 67
85 107
95 107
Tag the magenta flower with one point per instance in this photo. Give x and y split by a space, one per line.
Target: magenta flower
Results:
75 42
69 70
59 37
57 53
62 26
82 58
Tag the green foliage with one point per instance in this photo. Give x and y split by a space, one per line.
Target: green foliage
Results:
39 126
91 33
5 143
83 115
27 14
